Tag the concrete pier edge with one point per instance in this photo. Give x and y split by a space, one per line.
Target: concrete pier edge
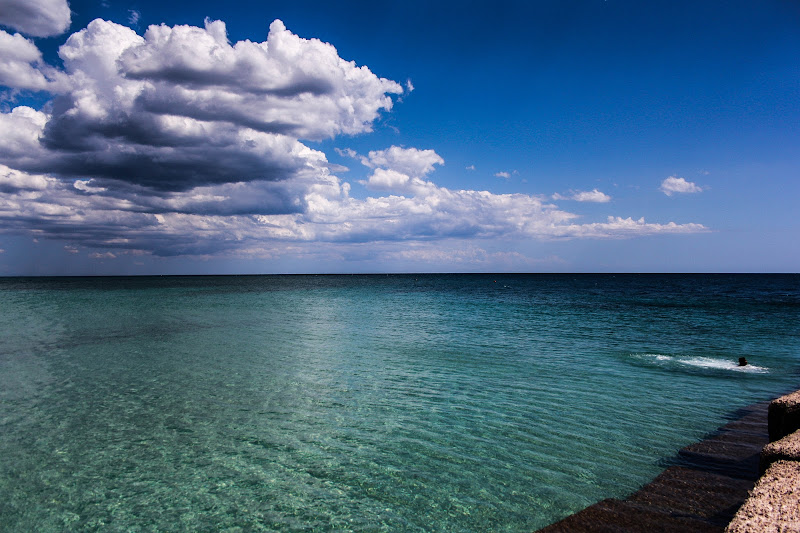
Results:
707 485
773 506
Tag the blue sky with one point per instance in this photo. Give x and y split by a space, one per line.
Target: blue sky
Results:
555 136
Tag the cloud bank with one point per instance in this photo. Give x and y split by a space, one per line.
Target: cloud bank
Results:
179 142
88 216
584 196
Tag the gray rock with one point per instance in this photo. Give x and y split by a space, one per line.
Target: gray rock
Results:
783 417
787 449
774 503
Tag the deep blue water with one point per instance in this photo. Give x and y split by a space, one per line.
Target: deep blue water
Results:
368 403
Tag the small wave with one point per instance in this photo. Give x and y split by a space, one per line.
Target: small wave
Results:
702 362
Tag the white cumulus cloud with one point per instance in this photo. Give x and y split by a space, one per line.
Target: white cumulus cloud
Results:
285 85
181 107
20 142
398 169
39 18
674 185
21 65
412 161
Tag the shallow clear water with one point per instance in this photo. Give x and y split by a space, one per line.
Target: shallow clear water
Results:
368 403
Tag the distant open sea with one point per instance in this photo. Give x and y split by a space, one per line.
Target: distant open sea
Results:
368 402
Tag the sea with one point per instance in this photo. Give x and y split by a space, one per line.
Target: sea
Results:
414 402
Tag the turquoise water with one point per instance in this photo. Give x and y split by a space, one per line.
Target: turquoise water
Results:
368 403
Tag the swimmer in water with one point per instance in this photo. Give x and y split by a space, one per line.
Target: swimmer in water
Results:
742 361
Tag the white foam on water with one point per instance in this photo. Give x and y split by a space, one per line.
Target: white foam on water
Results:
703 362
652 356
722 364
